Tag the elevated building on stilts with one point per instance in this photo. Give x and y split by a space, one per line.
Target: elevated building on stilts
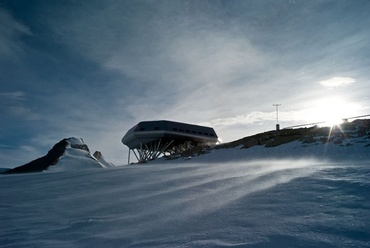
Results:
149 140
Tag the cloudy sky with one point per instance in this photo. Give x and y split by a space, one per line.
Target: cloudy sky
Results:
93 69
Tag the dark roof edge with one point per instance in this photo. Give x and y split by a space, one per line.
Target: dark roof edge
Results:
175 122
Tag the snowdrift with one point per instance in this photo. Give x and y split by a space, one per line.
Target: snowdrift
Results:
277 203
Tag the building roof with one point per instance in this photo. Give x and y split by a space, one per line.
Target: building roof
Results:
149 131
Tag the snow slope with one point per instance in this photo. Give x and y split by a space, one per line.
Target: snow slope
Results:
271 203
352 149
358 150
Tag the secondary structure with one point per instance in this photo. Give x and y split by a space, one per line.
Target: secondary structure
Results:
150 139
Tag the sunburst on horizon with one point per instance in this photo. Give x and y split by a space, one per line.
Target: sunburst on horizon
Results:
332 111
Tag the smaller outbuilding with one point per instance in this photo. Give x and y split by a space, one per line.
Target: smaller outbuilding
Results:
150 139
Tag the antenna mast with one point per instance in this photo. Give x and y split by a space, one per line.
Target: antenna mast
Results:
277 116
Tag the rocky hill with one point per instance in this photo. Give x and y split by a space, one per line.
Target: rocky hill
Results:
347 134
340 135
67 152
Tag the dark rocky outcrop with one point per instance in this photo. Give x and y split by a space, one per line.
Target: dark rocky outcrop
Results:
40 164
99 156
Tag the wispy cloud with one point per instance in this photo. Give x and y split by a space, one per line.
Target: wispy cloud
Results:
23 113
337 82
11 32
245 119
14 103
259 117
97 68
15 95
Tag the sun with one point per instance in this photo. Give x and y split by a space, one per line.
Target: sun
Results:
332 122
331 111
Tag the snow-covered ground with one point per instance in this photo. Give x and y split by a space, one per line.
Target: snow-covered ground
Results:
354 150
266 203
293 195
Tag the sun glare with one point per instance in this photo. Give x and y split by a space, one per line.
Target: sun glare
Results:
331 111
332 122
